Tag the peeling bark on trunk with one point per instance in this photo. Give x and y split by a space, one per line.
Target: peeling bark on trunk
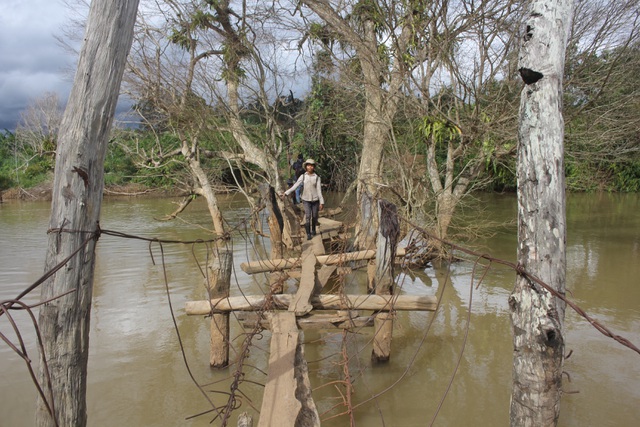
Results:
75 209
537 317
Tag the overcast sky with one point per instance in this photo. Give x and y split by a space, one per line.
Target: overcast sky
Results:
31 61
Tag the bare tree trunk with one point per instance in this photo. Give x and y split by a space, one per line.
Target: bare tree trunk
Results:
265 161
75 209
219 285
537 317
384 284
382 88
205 188
369 177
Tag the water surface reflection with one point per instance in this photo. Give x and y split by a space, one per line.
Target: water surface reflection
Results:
137 376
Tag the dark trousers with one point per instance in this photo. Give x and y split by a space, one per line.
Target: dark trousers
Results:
311 214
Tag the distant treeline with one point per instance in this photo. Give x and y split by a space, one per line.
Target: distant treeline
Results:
602 137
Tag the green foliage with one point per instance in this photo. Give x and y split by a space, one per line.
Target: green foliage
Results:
119 167
20 165
330 131
180 37
368 10
602 145
626 176
7 163
440 130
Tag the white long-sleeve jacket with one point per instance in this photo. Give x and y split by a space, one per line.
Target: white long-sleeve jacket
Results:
312 189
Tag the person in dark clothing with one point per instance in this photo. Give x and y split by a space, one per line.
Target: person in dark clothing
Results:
298 170
311 196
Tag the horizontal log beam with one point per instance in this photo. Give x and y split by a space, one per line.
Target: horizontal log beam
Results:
262 266
296 274
312 321
320 302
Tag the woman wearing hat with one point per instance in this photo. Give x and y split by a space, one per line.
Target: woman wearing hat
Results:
311 196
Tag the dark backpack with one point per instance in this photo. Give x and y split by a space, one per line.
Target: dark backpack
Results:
298 169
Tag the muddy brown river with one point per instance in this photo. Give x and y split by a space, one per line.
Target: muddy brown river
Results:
137 376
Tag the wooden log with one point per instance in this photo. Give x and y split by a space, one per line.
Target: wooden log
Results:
262 266
383 334
295 274
314 321
319 302
219 285
371 276
283 264
388 233
330 212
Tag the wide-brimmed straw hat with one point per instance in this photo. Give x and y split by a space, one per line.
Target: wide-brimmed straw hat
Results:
308 162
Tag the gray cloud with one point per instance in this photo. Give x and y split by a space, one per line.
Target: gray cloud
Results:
31 61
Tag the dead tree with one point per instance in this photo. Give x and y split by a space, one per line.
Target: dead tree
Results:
75 210
537 316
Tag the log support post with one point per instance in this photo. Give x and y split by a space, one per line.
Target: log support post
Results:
219 283
388 233
371 276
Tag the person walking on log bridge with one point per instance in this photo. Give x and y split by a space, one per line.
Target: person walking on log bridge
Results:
311 196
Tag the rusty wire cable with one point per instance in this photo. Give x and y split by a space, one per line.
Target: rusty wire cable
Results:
519 269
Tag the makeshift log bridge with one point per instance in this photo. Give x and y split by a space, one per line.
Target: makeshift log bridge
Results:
287 397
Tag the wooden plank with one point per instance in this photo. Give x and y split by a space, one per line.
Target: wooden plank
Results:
326 224
317 247
319 302
382 337
279 404
323 276
330 212
300 304
330 222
